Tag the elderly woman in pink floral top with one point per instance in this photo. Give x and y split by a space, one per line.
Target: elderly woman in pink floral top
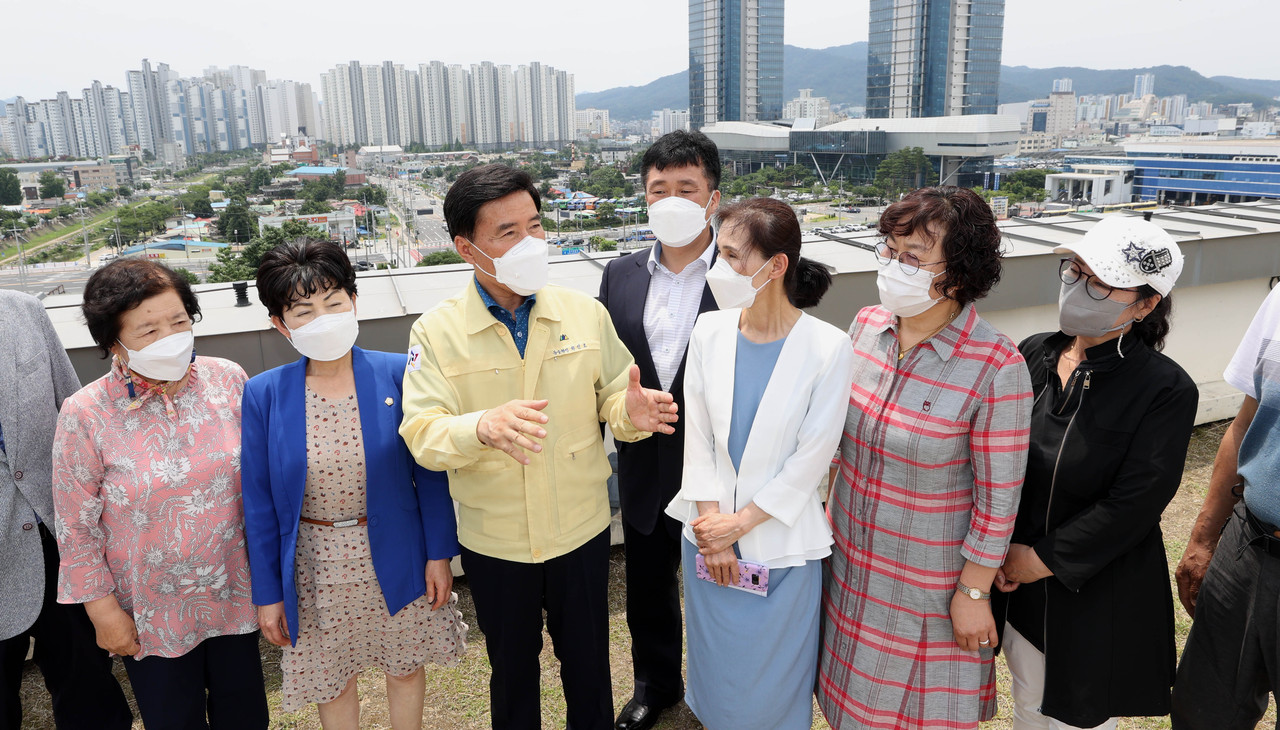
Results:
149 522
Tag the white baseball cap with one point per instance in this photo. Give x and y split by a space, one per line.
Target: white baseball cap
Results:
1126 251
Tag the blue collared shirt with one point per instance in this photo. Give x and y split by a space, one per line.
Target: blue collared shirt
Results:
518 325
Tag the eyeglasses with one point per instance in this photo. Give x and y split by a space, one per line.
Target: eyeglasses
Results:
908 261
1070 272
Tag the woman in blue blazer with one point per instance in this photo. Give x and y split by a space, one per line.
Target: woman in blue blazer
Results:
349 539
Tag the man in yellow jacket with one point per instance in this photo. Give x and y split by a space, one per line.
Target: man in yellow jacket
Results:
506 387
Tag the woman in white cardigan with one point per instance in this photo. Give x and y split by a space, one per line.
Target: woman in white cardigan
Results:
765 399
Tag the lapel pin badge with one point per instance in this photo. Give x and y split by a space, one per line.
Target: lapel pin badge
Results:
389 401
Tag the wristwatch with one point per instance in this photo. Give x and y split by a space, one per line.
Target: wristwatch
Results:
973 593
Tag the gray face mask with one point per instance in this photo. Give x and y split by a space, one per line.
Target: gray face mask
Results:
1081 315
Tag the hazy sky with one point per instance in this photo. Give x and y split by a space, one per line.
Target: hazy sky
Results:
45 48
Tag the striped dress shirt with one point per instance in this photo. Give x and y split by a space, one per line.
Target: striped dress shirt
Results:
671 308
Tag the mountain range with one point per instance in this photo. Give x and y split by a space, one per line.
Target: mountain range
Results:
840 74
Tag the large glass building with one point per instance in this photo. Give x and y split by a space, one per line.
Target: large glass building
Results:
933 58
735 61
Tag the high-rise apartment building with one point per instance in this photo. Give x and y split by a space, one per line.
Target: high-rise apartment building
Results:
483 105
808 106
1061 85
168 115
735 61
592 121
934 58
666 121
1143 84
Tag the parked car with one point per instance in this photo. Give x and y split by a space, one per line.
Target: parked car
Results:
109 257
362 266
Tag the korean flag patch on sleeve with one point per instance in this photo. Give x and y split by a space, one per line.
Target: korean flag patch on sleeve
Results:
415 358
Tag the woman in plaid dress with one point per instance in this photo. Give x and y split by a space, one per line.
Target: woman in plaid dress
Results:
931 466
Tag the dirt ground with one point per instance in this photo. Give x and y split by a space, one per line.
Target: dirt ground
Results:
458 697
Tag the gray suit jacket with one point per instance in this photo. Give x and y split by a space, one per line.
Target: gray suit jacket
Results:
35 377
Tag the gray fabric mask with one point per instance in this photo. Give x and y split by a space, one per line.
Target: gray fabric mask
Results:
1080 315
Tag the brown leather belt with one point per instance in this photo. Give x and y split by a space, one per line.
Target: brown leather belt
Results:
339 523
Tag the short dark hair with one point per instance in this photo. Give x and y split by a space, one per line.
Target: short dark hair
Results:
121 286
481 185
771 228
680 148
299 268
970 237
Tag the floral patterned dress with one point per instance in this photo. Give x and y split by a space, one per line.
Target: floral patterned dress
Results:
146 494
343 615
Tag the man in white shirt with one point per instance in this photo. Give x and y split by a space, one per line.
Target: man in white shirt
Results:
654 297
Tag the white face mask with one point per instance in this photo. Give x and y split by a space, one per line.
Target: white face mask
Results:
523 268
731 289
168 358
677 221
327 337
906 295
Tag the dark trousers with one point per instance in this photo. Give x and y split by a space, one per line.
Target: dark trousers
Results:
76 672
221 676
653 611
1231 660
510 598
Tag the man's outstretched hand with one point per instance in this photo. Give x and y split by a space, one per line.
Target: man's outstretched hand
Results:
649 410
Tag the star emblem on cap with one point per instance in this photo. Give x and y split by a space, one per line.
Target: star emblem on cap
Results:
1133 253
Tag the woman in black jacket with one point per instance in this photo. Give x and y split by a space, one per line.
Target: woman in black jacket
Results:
1084 594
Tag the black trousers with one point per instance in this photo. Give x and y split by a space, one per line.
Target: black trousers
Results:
76 672
653 611
1231 660
222 677
510 598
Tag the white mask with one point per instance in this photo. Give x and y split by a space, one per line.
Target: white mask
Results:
731 289
906 295
677 221
166 359
327 337
523 268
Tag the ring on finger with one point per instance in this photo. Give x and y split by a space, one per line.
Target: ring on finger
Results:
985 642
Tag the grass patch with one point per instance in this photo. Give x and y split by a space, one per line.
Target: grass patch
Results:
10 249
459 697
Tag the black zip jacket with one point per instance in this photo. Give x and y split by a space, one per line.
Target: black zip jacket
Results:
1106 456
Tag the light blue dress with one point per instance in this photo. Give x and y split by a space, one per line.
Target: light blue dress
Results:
752 659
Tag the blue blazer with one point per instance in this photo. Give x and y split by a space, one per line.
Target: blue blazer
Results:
411 518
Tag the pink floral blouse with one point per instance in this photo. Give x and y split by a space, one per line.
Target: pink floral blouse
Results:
147 506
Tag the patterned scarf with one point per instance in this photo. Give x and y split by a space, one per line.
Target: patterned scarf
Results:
140 390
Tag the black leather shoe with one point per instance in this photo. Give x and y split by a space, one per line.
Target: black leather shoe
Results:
637 716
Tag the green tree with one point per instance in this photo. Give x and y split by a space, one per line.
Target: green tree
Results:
124 191
10 189
196 201
315 207
243 265
438 258
258 177
52 185
237 222
904 170
607 214
187 274
607 182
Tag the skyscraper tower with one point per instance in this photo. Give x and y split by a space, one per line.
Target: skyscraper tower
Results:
934 58
1143 84
735 61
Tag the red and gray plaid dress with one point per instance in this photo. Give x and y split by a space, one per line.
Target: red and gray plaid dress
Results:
931 467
